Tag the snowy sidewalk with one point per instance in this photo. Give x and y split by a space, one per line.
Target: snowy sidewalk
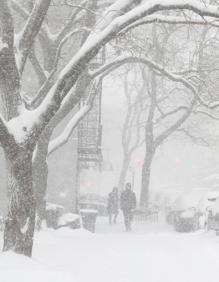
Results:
103 227
152 253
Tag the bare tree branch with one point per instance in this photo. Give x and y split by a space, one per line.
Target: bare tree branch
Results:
19 9
159 139
5 135
138 141
7 27
170 20
10 80
72 21
104 32
31 29
167 114
192 137
41 75
94 42
50 79
202 112
171 75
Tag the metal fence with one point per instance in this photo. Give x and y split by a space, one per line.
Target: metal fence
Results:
143 216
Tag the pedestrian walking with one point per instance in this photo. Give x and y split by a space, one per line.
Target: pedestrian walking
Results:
113 205
127 205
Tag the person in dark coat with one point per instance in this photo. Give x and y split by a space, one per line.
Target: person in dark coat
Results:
113 205
127 205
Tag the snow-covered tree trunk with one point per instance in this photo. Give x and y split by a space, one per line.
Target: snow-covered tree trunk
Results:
40 174
149 143
149 153
20 221
145 180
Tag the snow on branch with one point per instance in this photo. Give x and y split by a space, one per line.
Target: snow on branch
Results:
65 135
153 6
47 83
160 69
30 30
134 59
67 132
118 8
171 20
103 33
71 100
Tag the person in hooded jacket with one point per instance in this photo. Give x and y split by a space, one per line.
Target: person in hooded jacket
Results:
127 205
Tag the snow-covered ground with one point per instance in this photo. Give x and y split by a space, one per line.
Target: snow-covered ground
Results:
152 252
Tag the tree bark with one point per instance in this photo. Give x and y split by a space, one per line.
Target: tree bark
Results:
40 174
146 173
20 221
40 189
49 49
149 146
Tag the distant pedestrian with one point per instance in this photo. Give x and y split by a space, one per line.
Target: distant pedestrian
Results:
128 204
113 205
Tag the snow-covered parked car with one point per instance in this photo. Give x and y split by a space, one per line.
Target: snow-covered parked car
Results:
187 220
70 220
185 215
